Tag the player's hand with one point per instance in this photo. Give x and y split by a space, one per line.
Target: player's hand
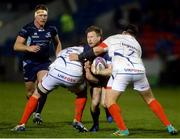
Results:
73 57
94 70
87 65
33 48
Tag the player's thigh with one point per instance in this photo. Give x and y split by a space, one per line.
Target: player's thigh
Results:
41 74
121 81
140 82
147 96
111 97
50 82
96 95
103 96
30 87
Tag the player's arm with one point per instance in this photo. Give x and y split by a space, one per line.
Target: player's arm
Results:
92 53
57 44
89 76
20 45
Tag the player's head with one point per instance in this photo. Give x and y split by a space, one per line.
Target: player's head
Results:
41 15
94 35
131 29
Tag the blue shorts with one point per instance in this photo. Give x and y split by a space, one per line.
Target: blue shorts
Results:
30 69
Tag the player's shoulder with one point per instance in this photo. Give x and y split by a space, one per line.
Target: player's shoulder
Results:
78 49
86 48
113 37
26 28
28 25
50 26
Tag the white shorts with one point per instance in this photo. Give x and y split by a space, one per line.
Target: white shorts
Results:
119 82
60 77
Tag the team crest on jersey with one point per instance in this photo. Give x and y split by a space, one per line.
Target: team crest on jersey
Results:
48 35
35 35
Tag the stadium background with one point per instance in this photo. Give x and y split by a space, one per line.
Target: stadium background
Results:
159 30
159 22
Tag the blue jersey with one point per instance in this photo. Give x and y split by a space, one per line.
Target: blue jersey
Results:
41 37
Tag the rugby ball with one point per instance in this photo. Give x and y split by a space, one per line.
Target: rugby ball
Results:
99 63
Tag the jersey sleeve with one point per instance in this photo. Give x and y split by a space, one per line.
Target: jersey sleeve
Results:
106 43
23 32
54 31
103 45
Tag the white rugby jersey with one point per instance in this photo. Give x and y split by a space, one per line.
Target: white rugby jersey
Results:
125 52
64 72
62 61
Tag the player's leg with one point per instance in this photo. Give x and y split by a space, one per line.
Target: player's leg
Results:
158 110
147 95
114 89
36 115
94 109
80 102
30 87
30 107
48 84
108 115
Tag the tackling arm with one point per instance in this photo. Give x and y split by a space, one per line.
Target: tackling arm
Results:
88 55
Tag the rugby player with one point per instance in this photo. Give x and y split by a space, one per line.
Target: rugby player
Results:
97 83
35 40
65 73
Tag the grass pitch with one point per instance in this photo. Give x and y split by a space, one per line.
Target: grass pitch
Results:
59 109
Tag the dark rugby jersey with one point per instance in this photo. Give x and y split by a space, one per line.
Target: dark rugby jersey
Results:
41 37
102 79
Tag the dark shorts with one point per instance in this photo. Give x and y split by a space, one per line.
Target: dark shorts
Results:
102 82
30 69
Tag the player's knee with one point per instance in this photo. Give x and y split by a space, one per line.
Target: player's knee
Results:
95 102
30 91
147 96
82 94
28 95
94 107
41 90
108 102
103 104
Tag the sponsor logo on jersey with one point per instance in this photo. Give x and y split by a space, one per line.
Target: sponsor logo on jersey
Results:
132 70
34 36
67 78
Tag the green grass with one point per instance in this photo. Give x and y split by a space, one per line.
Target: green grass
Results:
59 109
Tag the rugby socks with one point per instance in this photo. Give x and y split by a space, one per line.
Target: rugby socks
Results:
114 110
41 103
30 106
80 103
95 115
156 107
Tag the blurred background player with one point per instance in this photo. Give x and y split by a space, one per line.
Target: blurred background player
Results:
97 83
127 67
35 40
65 73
